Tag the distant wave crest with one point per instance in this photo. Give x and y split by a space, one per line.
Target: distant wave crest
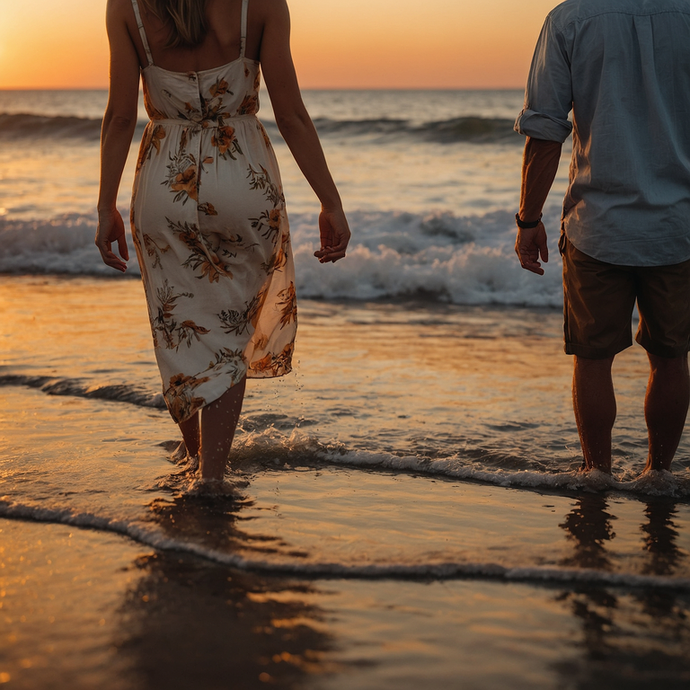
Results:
21 125
470 129
474 129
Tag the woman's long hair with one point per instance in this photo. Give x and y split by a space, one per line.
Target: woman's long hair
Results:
186 18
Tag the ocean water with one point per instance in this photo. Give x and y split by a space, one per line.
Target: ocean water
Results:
430 180
426 433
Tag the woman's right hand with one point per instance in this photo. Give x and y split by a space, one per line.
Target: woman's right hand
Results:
335 235
111 228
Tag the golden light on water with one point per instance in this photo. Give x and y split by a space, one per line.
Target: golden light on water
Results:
337 44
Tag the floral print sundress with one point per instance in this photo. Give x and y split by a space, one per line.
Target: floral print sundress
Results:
211 232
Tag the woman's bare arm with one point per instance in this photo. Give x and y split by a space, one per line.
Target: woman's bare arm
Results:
298 130
119 122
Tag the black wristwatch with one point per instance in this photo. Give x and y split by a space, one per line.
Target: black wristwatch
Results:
525 225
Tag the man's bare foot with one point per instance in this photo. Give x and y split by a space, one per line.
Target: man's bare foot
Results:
584 469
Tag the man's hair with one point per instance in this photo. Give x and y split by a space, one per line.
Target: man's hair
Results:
186 19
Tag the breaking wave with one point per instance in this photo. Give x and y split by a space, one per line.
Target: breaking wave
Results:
440 257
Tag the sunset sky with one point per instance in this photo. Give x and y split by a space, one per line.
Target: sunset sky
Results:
336 43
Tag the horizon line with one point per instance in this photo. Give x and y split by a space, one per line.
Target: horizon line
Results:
305 88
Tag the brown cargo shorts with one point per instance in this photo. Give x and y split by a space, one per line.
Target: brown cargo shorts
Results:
598 302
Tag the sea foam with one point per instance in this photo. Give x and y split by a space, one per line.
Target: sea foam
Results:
440 570
393 255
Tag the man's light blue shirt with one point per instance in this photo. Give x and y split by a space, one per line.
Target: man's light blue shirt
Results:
623 68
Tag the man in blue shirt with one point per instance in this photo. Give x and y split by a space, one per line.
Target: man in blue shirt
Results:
623 68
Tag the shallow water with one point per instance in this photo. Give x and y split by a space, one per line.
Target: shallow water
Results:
356 462
430 181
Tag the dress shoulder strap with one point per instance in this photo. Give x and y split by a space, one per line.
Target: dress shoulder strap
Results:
142 31
243 34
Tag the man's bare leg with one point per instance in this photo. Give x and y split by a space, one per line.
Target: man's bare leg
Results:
594 402
665 408
218 424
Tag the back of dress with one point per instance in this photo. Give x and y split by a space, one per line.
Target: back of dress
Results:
211 232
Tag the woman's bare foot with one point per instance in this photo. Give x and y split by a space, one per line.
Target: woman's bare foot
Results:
179 455
202 487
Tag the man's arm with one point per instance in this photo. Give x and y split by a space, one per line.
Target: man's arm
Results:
539 168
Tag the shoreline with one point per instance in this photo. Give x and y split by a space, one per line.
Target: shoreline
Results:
335 456
96 611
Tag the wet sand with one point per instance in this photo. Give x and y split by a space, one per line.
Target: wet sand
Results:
83 610
356 559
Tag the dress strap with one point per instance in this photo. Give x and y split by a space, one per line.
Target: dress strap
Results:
243 34
142 32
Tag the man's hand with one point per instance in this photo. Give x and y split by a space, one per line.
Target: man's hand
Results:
539 168
530 246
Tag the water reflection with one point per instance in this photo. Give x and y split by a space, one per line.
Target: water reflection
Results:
629 638
660 538
214 524
188 623
588 527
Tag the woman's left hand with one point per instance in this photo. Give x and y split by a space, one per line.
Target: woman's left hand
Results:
335 235
111 228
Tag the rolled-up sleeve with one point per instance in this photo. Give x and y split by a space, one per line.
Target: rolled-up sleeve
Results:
549 93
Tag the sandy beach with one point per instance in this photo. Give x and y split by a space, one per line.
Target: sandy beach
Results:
396 532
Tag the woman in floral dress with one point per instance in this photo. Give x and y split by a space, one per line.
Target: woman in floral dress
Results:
208 214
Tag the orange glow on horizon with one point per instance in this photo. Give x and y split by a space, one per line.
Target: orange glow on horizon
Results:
336 43
44 44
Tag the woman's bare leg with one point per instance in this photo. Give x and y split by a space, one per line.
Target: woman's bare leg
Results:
218 424
190 435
